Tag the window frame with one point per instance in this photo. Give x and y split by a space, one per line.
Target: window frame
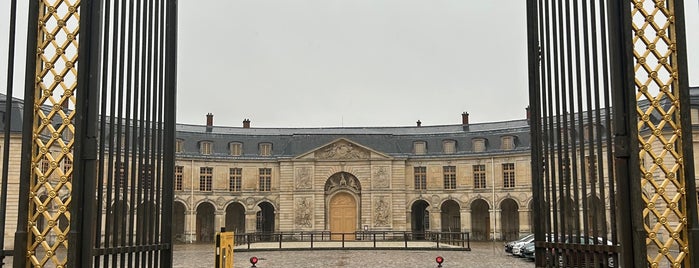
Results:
206 175
417 145
179 178
449 173
479 177
265 180
508 175
235 179
420 175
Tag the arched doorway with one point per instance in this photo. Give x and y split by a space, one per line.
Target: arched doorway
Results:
451 216
205 223
342 191
235 218
509 219
117 223
596 215
480 220
566 215
420 219
145 221
343 216
178 223
265 220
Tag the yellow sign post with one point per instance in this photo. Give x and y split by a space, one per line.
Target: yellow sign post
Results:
224 249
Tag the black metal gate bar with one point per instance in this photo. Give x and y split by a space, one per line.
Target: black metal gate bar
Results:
9 105
572 182
125 144
27 128
687 148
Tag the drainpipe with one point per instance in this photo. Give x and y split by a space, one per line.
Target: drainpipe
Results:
191 200
492 171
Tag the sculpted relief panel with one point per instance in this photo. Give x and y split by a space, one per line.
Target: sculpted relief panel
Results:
381 177
342 150
303 178
382 213
342 180
304 213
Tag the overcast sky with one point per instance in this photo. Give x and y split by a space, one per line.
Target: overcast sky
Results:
356 63
329 63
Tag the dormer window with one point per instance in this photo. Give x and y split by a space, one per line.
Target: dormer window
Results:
236 148
508 143
478 145
420 147
205 147
449 146
179 146
265 149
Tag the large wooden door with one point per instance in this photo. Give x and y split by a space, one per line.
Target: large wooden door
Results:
343 216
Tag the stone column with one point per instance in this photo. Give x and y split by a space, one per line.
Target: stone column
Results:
466 220
251 220
435 219
524 224
498 224
219 221
190 224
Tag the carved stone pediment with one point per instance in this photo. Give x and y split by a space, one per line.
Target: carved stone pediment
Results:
342 149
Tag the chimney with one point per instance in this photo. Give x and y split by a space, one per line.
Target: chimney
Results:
419 124
246 123
528 114
464 119
209 120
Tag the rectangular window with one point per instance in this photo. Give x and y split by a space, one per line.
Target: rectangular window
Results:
694 116
508 175
206 175
591 166
120 174
265 149
236 149
205 147
265 179
479 176
67 165
420 147
236 178
420 178
179 173
146 176
44 165
449 177
179 146
478 145
449 146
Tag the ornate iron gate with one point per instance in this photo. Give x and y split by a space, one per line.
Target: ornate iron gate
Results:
98 135
607 80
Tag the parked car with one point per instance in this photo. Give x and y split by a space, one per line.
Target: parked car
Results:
528 251
517 247
511 244
571 258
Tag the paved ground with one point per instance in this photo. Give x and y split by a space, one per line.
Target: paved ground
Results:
482 254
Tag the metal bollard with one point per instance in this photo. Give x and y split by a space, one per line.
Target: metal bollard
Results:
439 260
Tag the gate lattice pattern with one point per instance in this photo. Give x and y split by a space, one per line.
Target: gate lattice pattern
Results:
663 181
52 153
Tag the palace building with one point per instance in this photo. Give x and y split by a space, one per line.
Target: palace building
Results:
464 177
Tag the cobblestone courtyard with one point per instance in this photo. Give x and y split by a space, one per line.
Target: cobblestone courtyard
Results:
482 255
